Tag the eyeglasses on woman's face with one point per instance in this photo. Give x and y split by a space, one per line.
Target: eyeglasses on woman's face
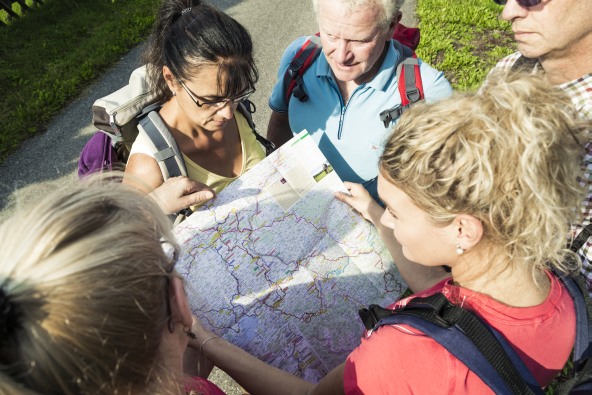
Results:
219 103
522 3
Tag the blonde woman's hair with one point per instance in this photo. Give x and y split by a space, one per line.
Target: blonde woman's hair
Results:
84 281
508 156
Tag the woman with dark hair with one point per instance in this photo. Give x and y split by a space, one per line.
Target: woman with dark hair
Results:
200 65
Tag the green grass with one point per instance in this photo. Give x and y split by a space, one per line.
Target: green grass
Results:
463 38
53 51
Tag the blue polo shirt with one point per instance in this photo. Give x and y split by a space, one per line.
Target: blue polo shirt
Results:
351 136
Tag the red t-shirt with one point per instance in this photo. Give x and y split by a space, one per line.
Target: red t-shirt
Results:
398 359
201 386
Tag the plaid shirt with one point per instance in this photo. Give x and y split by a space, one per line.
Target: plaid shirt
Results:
580 92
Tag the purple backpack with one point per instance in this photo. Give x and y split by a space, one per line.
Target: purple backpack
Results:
97 155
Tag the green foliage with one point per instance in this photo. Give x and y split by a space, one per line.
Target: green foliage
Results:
463 38
53 51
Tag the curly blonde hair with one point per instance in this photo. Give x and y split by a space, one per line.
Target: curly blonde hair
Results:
508 156
86 279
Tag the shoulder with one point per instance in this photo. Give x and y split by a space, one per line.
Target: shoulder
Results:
294 47
580 92
435 84
395 359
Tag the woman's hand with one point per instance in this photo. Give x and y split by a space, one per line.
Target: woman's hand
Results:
178 193
361 201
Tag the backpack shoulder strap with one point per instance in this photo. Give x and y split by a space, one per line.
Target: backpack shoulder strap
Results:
247 108
163 145
482 349
304 58
582 238
410 84
581 382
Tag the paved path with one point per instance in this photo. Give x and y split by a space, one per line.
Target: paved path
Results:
49 161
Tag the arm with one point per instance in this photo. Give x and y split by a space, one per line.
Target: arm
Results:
195 364
435 84
255 375
278 130
417 277
142 172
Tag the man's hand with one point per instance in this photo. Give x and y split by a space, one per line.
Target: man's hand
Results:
178 193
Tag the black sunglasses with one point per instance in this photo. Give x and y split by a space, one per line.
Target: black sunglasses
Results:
221 103
523 3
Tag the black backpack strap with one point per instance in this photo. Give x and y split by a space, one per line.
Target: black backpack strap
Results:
304 58
482 349
583 307
581 239
247 109
581 382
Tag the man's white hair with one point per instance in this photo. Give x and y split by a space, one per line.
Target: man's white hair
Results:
389 8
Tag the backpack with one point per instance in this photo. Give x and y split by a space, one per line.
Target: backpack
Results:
484 350
410 85
132 110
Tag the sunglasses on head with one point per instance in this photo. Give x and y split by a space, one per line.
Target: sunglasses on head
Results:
523 3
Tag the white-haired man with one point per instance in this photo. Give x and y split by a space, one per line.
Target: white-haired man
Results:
348 86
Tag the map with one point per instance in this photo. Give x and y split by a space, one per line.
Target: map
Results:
279 267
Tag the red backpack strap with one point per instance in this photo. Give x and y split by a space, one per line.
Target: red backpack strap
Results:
409 85
303 59
409 75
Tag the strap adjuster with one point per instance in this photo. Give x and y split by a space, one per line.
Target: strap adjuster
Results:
413 95
387 116
299 92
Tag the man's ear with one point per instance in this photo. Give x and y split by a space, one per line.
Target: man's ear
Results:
180 311
469 231
394 22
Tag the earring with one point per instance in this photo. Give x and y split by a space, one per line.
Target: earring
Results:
189 333
459 250
173 92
